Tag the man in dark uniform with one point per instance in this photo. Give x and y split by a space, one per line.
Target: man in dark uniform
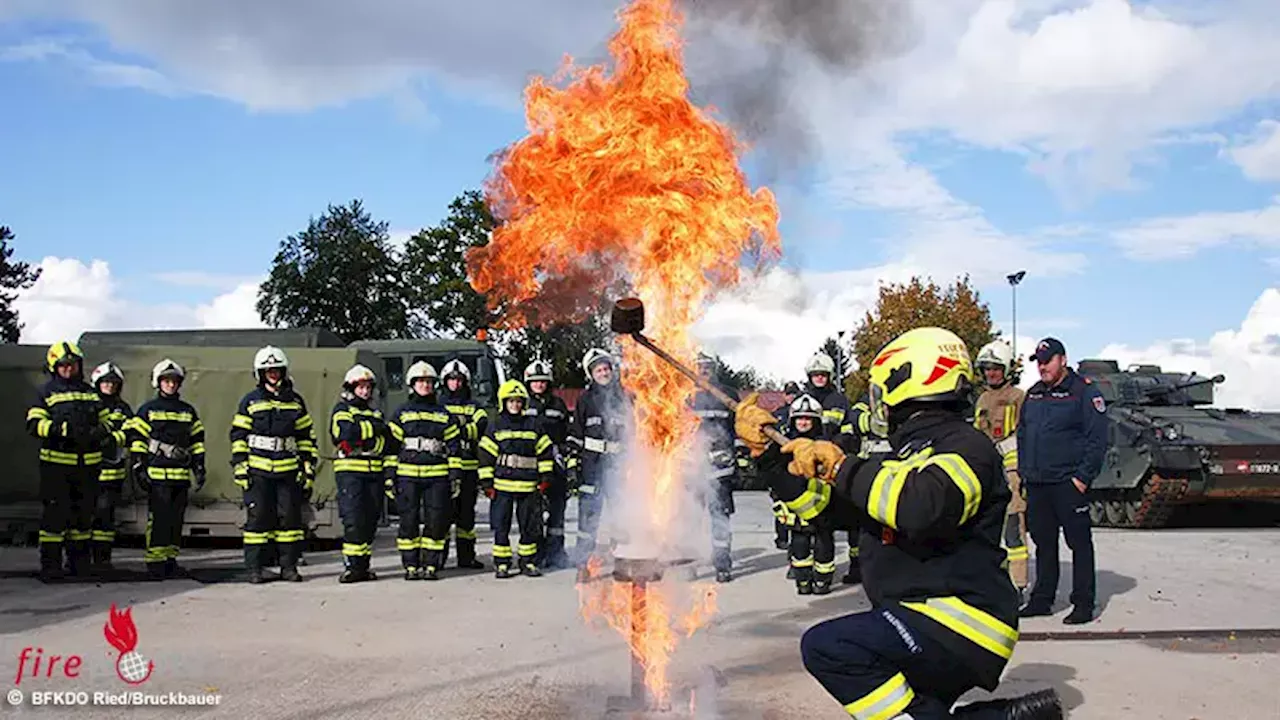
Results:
944 613
553 420
1062 440
821 371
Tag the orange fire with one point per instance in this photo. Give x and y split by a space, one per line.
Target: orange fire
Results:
622 181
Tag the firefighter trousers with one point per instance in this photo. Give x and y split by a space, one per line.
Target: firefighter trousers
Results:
464 517
68 497
425 510
166 511
879 666
527 509
1014 535
359 504
813 554
719 503
591 497
103 533
556 501
273 507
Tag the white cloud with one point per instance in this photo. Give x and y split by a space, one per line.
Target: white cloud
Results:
1259 155
1183 236
71 297
1249 356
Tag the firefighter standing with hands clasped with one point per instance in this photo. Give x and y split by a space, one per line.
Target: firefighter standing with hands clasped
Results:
425 474
360 435
516 463
944 614
167 443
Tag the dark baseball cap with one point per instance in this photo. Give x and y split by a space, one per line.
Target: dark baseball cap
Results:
791 388
1047 348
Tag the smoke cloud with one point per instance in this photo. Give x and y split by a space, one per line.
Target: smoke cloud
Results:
769 65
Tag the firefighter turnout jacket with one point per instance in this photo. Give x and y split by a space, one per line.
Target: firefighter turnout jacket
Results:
272 434
167 437
931 518
835 414
360 436
471 417
597 430
515 454
72 424
715 424
425 439
115 464
996 415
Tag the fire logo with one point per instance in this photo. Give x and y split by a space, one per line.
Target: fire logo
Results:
122 634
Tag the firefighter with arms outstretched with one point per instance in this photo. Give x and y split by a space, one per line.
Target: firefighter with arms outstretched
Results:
997 413
944 614
360 436
273 460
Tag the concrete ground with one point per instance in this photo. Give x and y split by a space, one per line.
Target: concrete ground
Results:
470 646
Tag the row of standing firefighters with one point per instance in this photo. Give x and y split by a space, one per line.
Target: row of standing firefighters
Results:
431 456
427 458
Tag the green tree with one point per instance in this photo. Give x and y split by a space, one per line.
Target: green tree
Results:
563 345
443 301
919 303
340 273
14 276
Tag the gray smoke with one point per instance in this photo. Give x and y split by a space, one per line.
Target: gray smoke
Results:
765 64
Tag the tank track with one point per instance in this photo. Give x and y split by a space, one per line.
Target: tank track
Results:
1160 496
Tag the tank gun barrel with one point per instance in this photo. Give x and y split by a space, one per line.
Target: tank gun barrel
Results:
1157 389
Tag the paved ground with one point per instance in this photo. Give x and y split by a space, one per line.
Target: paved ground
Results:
473 647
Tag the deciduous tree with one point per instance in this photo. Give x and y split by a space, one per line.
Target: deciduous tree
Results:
14 276
340 273
919 303
443 302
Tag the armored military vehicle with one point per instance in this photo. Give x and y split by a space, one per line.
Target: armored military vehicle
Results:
1167 446
217 377
396 356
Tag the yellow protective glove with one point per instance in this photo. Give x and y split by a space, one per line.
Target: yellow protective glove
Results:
749 420
813 458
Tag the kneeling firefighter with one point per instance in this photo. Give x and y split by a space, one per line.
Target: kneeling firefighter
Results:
424 475
167 443
360 435
516 463
108 380
944 614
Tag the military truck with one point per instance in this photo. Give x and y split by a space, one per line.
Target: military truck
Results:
217 377
1167 446
396 356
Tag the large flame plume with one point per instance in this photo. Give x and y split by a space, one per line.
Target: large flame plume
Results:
623 181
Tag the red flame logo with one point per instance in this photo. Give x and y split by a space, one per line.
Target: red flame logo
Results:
122 634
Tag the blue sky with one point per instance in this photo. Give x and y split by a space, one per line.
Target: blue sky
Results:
1130 173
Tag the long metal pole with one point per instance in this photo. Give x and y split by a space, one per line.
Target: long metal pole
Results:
1014 286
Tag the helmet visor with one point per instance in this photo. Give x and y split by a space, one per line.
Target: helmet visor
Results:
879 411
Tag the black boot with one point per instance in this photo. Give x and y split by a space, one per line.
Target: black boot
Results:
78 559
531 570
155 570
101 555
467 554
411 573
1041 705
724 576
853 575
51 562
804 587
822 585
290 574
556 556
502 572
429 573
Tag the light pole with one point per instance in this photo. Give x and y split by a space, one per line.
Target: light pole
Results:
1014 279
840 358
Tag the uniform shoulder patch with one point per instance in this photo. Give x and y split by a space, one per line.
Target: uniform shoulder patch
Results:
1099 403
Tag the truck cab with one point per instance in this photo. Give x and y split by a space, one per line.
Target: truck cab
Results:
395 357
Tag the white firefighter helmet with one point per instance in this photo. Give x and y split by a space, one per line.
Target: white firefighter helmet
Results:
820 363
166 368
106 371
357 374
537 370
420 369
455 367
996 353
806 406
269 357
596 355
